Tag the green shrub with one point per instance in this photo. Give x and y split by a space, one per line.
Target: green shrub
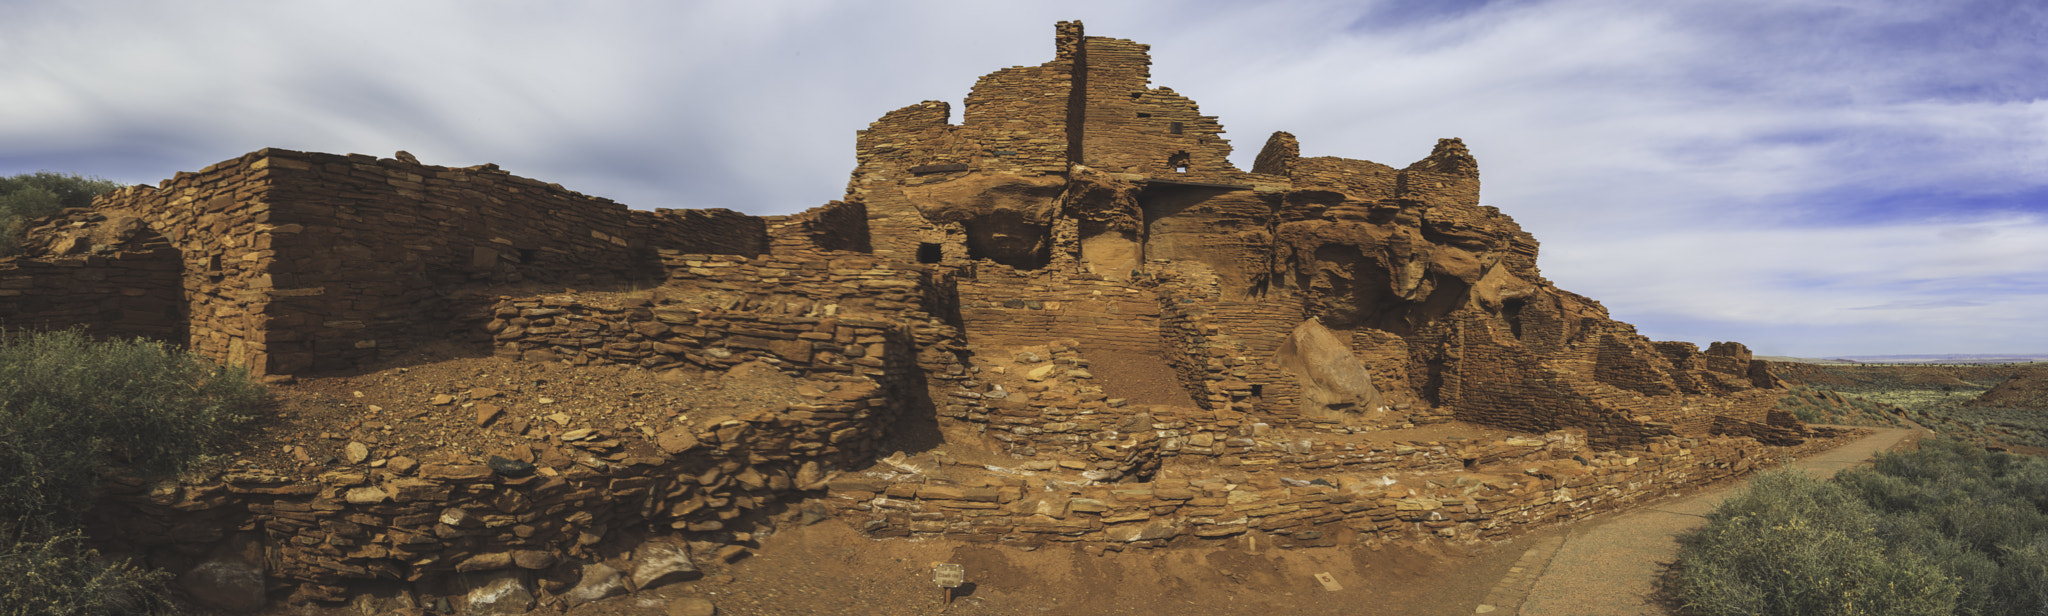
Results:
60 576
1949 529
1793 545
74 409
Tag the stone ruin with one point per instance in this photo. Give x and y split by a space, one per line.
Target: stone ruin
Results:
1075 275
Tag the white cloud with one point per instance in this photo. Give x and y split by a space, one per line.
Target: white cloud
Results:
1704 168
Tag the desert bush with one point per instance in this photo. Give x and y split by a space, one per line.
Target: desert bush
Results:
60 576
1949 529
1794 545
75 409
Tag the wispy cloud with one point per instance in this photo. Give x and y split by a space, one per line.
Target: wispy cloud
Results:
1810 176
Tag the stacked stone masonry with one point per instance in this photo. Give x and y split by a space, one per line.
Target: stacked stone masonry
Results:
113 278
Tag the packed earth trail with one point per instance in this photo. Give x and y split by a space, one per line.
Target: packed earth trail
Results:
1609 567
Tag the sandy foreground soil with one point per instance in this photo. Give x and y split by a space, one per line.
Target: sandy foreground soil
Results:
829 569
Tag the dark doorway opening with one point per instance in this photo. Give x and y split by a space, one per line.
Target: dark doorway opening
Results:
928 252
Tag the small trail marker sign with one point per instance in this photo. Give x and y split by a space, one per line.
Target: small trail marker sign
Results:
1329 582
949 576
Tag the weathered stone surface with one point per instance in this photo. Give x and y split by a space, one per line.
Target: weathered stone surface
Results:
509 467
499 593
484 562
355 453
534 559
487 413
676 440
226 583
661 562
598 581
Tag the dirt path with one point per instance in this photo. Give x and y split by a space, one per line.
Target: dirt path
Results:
1607 567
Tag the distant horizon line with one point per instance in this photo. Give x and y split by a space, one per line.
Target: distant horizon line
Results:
1985 358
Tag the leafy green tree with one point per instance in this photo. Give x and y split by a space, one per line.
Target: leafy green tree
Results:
70 189
33 195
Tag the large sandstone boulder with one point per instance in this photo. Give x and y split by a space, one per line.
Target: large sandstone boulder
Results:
1334 383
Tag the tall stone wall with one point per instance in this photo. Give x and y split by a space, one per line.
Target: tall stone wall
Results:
220 223
1131 127
298 261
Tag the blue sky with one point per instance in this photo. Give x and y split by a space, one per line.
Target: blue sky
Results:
1815 178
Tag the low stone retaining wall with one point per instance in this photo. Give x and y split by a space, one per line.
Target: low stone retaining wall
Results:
1517 485
588 496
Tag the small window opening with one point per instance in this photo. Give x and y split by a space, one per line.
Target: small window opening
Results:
526 255
1179 162
1137 95
213 263
1258 391
1173 127
1144 115
928 252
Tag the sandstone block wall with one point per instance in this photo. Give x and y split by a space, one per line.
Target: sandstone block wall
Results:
128 287
220 226
1129 126
835 227
398 235
298 261
656 336
1003 309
